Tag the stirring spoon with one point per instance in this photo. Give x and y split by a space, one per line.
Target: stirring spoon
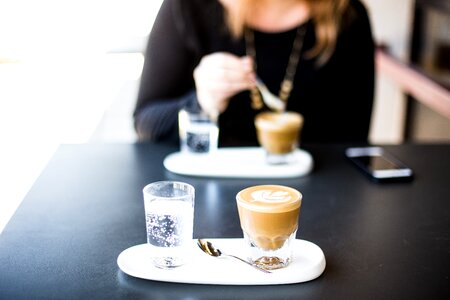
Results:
270 99
209 249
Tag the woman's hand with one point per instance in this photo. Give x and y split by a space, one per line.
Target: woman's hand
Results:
218 77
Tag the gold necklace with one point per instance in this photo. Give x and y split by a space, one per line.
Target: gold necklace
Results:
288 81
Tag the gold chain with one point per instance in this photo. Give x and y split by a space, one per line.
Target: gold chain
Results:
288 81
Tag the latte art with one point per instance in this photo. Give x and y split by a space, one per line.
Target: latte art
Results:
270 196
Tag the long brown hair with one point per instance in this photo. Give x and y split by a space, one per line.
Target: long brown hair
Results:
326 16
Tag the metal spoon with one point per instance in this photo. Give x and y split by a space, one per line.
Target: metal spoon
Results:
209 249
270 99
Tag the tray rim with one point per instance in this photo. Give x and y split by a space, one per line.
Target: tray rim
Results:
207 164
184 274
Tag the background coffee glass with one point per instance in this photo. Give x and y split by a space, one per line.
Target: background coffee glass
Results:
269 220
169 214
198 133
278 133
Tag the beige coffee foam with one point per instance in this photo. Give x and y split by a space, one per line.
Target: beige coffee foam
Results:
269 198
279 121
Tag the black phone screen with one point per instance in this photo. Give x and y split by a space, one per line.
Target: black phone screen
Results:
379 165
376 163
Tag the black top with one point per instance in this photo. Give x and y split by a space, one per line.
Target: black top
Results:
335 99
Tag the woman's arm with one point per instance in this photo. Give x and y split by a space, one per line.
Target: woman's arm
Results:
167 82
187 63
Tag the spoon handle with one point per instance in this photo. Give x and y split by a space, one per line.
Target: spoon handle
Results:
248 263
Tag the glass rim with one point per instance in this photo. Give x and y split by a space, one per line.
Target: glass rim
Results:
189 188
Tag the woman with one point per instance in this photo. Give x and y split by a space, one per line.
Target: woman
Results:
209 53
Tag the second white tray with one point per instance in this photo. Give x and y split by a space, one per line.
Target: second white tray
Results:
246 162
308 263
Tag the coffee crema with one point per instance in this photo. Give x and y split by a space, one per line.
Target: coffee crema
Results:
269 214
279 121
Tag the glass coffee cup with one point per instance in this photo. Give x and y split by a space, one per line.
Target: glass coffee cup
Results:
269 220
279 133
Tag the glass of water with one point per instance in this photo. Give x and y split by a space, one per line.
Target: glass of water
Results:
169 214
198 133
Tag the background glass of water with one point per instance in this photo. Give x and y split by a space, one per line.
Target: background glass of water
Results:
169 215
198 133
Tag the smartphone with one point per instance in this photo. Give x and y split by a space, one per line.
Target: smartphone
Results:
379 165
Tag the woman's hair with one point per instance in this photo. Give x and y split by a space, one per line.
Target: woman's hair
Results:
326 16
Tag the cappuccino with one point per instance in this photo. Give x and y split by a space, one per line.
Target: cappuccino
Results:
278 133
269 219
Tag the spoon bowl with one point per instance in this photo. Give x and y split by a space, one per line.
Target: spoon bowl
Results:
209 249
270 99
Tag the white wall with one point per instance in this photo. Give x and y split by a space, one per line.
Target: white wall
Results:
63 64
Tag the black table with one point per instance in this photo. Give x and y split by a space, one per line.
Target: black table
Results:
381 241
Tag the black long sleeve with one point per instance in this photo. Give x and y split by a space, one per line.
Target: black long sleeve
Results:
335 99
167 82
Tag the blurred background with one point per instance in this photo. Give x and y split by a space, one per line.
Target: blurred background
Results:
69 73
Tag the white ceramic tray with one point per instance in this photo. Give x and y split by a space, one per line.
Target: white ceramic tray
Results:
238 163
308 263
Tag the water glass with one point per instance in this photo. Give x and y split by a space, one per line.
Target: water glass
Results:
198 133
169 215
